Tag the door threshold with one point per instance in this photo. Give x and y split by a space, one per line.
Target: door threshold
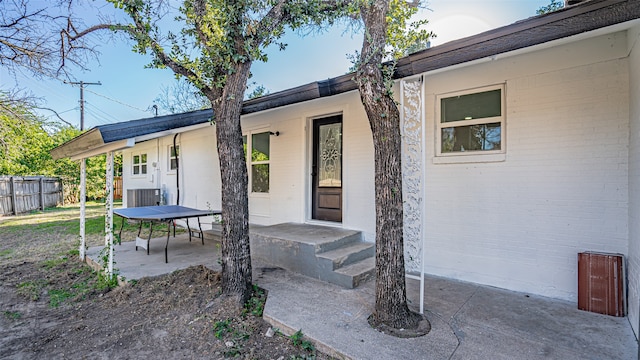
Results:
324 223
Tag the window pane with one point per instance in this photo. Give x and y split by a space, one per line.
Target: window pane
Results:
481 137
174 164
143 158
136 159
260 147
330 153
144 169
136 170
471 106
173 151
260 178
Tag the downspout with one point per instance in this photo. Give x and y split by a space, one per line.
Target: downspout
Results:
158 181
175 149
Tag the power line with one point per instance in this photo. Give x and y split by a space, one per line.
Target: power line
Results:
82 84
117 101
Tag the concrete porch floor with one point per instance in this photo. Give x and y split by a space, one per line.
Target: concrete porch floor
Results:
468 321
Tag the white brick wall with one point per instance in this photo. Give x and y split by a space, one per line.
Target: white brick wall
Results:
563 188
633 268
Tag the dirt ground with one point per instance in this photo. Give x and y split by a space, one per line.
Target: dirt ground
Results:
54 306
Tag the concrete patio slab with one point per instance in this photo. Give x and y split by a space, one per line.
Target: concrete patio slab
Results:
468 321
134 265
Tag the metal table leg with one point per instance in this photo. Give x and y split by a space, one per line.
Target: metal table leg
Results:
139 231
120 232
150 232
166 247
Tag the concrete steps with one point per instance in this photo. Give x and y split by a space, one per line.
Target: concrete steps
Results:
334 255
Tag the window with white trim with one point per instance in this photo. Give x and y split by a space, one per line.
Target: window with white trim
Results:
258 160
471 122
139 164
173 157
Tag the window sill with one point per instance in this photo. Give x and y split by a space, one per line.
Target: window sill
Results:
470 158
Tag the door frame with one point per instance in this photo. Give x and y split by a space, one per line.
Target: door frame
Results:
309 168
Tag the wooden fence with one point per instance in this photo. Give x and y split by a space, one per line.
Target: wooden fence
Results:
23 194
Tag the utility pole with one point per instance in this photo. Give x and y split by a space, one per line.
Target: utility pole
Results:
82 84
83 173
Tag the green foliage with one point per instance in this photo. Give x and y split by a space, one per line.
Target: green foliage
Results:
554 5
257 92
220 328
298 340
51 263
6 252
58 296
24 140
12 315
404 37
255 305
217 35
31 289
25 144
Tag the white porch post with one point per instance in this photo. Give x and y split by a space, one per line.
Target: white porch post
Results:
83 200
108 219
413 177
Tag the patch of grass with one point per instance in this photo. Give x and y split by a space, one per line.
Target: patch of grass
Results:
58 296
52 263
12 315
220 328
31 289
105 282
6 252
227 330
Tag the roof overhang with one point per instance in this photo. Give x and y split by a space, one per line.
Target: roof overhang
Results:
113 137
584 20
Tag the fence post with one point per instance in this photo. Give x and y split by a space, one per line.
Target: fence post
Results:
42 193
13 195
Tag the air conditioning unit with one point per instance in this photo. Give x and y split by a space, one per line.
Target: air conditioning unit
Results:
143 197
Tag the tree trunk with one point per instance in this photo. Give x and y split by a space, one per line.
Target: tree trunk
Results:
384 118
236 254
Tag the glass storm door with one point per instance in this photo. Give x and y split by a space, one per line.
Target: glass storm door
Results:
326 173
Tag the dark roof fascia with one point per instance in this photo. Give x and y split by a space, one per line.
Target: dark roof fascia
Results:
572 20
146 126
107 134
300 94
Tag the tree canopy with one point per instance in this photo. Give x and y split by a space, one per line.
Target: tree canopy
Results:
213 49
25 144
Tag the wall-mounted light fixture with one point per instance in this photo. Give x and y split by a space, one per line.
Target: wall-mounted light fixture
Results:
277 133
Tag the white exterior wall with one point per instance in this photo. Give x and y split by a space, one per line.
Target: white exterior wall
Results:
562 187
198 169
145 181
289 198
633 268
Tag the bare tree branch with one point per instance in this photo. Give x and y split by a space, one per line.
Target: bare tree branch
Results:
55 113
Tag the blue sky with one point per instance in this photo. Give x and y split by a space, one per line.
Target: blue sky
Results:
128 89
